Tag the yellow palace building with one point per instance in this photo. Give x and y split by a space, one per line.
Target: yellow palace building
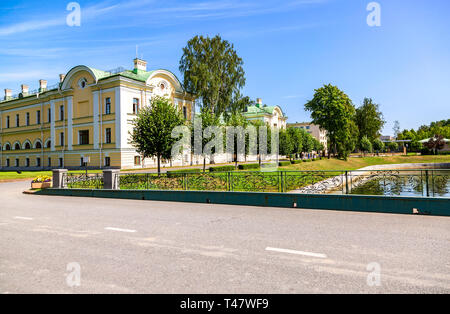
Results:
89 113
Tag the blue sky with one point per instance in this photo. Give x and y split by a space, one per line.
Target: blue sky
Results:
289 47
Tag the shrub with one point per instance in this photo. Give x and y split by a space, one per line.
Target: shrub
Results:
248 166
284 163
174 173
314 159
296 161
378 145
222 168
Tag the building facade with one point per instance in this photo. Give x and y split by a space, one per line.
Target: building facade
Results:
271 115
313 129
88 114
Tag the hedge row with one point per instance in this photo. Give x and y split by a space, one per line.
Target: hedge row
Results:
248 166
222 168
284 163
172 173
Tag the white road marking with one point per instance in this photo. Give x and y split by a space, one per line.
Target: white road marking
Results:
23 218
119 229
296 252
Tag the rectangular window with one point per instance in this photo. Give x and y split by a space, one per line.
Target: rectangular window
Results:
17 120
61 112
61 162
27 162
7 122
49 113
7 162
38 162
108 136
38 117
61 138
185 112
81 162
49 161
137 160
17 162
135 105
107 161
28 118
84 137
108 105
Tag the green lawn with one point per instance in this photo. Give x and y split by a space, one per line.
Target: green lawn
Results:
356 163
13 175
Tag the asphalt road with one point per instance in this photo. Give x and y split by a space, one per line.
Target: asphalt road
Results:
131 246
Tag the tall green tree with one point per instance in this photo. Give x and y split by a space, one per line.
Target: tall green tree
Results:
365 145
296 139
333 111
208 118
153 127
378 145
212 71
286 144
369 120
236 119
258 124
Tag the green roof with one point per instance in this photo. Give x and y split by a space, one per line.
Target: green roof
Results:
257 110
137 75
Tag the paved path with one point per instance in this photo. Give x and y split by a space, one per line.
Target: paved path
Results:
131 246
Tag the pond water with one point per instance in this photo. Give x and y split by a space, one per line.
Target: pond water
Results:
419 183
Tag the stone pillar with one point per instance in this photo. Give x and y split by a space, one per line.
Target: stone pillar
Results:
58 178
111 179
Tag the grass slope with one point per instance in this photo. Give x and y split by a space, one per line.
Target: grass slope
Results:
356 163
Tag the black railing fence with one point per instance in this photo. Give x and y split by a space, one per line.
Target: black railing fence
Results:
83 181
370 182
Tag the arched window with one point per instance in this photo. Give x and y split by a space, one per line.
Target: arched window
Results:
7 147
38 145
27 145
49 144
17 146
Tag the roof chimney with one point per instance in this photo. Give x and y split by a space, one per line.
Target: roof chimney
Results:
140 65
61 77
25 90
258 102
42 86
8 94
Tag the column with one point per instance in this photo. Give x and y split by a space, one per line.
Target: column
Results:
69 123
96 125
111 179
52 124
117 113
58 178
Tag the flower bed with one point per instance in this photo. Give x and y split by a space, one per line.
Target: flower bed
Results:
41 182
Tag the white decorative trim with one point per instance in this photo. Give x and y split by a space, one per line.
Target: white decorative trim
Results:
52 123
69 123
118 110
95 118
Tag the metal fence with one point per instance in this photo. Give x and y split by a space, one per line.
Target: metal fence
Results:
83 181
373 182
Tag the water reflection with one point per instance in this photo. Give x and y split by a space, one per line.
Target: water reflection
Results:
418 183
